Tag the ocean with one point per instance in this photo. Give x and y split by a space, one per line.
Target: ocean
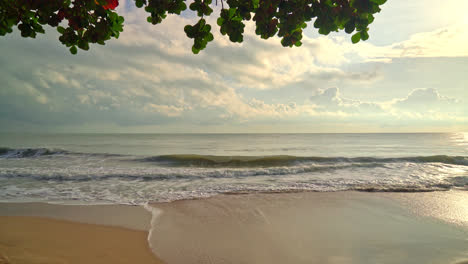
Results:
143 168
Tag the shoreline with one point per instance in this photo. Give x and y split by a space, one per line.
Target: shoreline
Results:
266 222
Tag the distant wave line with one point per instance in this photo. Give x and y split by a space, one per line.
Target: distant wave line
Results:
213 161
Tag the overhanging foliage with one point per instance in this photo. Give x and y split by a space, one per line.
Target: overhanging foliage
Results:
94 21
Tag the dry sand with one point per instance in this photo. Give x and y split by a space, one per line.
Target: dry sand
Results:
132 217
34 240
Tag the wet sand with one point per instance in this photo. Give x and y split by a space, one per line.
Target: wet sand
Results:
307 228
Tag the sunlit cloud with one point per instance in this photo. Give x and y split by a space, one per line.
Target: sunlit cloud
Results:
444 42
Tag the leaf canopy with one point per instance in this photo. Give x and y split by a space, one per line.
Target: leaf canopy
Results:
81 22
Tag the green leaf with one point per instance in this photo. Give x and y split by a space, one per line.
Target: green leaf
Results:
83 45
189 30
202 23
364 35
356 37
255 3
194 6
232 12
73 50
220 21
349 27
379 2
210 37
60 29
139 3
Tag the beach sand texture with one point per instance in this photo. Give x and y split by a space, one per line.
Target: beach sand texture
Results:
35 240
312 227
296 228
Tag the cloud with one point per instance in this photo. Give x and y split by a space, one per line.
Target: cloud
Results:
168 110
425 98
149 77
331 100
428 103
253 64
443 42
420 104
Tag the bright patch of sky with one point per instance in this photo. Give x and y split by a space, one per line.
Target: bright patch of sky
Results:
409 77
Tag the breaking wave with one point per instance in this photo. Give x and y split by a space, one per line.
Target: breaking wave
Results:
284 160
28 152
212 161
55 174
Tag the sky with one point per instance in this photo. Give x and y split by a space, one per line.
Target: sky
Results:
410 76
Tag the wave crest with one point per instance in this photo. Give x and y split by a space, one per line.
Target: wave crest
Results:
192 160
28 152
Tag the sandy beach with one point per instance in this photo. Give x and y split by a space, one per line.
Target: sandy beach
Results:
34 240
33 233
303 227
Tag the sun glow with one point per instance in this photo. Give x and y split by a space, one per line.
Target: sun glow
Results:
447 12
460 139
